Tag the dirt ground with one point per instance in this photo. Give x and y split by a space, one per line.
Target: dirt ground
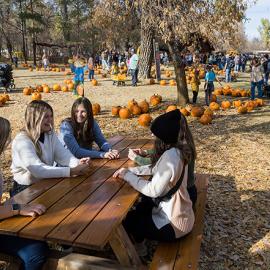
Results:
234 150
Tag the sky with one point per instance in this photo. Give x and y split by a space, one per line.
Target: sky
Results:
255 13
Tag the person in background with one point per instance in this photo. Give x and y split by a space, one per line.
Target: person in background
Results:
36 150
256 78
228 68
195 83
91 68
80 131
79 68
209 87
134 67
165 212
266 68
45 62
32 253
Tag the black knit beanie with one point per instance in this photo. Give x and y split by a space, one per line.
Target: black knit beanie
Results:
167 126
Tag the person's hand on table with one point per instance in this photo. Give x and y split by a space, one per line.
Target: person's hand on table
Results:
85 160
120 173
32 210
112 154
133 153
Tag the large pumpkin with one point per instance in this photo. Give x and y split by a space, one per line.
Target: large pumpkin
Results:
225 104
145 119
36 96
124 113
172 82
209 112
163 82
136 110
205 119
64 88
242 109
144 106
56 87
214 106
115 110
237 103
184 111
155 100
46 89
27 91
94 82
171 108
259 102
96 108
131 103
197 111
39 88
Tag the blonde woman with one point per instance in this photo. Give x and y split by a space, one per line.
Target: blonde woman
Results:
31 252
36 150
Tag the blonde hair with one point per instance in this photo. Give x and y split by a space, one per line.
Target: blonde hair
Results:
5 130
34 115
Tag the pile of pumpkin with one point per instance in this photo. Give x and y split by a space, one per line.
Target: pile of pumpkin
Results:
140 109
151 81
227 90
3 99
55 69
205 116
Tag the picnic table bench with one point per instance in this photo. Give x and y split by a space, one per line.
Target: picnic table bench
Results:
84 211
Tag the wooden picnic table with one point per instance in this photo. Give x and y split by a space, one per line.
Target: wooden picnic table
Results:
84 211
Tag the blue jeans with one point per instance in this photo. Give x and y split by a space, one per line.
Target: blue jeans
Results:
266 77
134 75
32 253
91 74
228 76
259 86
208 92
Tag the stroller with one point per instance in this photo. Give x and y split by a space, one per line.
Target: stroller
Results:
6 77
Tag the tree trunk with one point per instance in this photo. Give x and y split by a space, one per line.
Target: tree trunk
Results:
23 34
179 68
147 50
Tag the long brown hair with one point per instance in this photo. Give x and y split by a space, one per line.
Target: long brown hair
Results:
5 130
34 115
185 144
82 132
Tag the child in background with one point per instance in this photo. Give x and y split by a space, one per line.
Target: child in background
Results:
195 83
210 77
114 72
79 68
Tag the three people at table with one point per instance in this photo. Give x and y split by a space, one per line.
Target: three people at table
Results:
31 252
163 214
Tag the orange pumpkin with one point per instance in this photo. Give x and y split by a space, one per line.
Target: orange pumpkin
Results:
6 96
209 112
46 89
171 108
172 83
2 100
184 111
155 100
115 110
145 119
226 104
70 86
144 105
56 87
237 103
39 88
218 91
96 108
36 96
94 82
214 106
131 103
136 110
197 111
124 113
27 91
242 109
163 82
214 98
260 102
205 119
64 88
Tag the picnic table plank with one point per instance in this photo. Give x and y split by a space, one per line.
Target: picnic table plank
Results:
123 248
64 230
50 196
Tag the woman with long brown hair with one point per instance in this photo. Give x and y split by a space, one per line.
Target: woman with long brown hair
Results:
165 212
80 131
31 252
36 150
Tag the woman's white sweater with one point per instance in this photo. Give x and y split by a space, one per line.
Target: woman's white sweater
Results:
28 168
167 171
